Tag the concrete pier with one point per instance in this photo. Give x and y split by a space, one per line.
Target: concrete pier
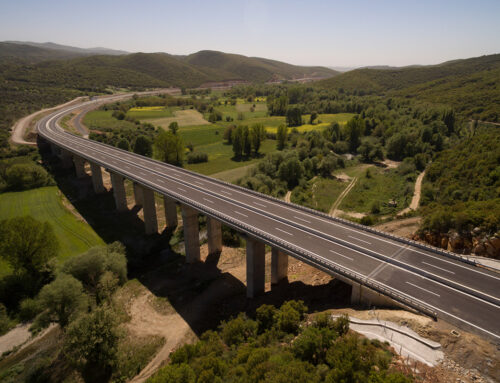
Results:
79 166
256 262
170 212
149 210
66 159
97 178
364 296
214 234
138 195
119 192
191 234
279 266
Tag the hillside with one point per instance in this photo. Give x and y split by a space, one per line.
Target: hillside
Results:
471 86
254 68
31 54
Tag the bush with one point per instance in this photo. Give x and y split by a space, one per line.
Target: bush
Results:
62 299
238 330
197 157
29 309
230 237
290 315
265 316
26 176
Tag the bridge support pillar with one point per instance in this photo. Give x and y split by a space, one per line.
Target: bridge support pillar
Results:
138 195
79 166
364 296
279 266
149 210
256 264
97 178
191 234
66 159
54 149
170 212
214 233
119 192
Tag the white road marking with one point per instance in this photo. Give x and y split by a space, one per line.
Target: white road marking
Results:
142 173
302 219
350 236
421 288
181 189
437 267
160 180
225 192
127 167
259 204
342 255
283 231
210 201
244 215
199 183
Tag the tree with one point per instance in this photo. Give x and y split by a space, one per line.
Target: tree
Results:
143 146
123 144
173 127
291 171
228 134
26 176
63 299
247 143
281 136
294 117
354 130
27 245
237 138
313 117
257 135
169 148
91 344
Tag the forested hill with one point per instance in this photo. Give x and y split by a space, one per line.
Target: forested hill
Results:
470 86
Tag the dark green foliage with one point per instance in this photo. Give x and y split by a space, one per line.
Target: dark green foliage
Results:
230 237
173 127
28 245
91 344
61 300
21 174
281 136
123 144
305 354
238 330
294 116
169 148
143 146
90 267
197 157
461 188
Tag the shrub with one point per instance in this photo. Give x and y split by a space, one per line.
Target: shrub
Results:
197 157
290 315
238 330
26 176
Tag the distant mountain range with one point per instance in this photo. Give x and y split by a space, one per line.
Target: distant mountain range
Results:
155 69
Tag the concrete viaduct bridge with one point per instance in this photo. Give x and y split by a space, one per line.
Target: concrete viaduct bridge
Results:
381 268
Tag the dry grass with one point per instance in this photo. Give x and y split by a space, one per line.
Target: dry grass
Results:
183 117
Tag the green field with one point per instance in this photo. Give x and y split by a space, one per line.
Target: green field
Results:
382 187
319 193
44 204
321 122
103 119
150 112
220 157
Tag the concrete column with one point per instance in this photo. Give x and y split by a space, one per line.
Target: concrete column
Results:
119 192
66 159
214 234
256 262
79 166
279 266
54 149
170 212
97 178
191 234
138 195
149 210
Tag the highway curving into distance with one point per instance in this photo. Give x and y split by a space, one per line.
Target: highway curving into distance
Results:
420 277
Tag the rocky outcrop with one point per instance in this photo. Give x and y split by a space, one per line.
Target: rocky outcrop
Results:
476 242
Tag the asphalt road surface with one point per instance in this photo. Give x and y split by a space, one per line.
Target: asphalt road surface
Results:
464 294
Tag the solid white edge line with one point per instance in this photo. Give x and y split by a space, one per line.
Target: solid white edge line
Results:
421 288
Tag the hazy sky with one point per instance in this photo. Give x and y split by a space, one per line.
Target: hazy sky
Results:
313 32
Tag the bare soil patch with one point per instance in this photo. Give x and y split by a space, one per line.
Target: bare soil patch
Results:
401 227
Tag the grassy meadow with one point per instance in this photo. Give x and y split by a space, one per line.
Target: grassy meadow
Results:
45 204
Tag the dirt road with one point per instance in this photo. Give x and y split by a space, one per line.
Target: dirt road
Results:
416 195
